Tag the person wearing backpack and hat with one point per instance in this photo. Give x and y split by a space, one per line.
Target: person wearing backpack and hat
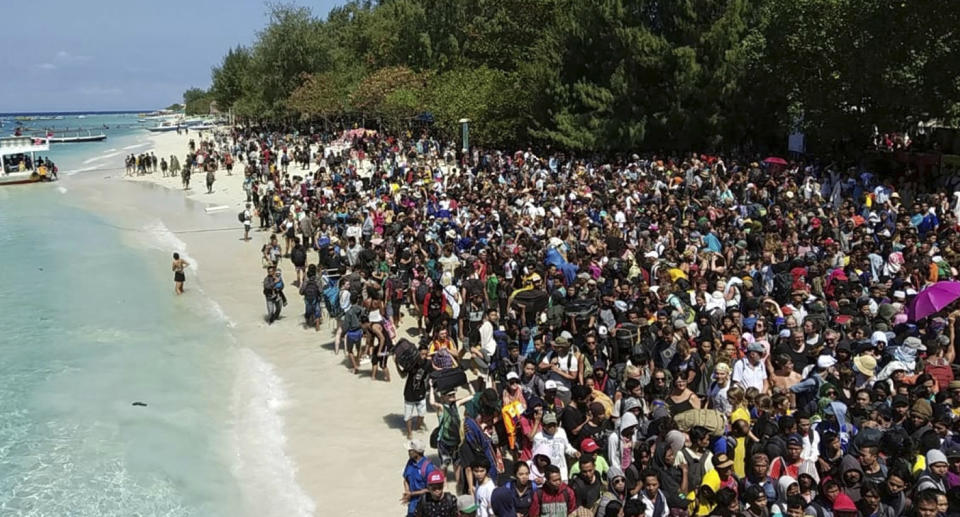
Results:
436 502
415 475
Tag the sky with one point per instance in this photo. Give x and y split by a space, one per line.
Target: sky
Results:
90 55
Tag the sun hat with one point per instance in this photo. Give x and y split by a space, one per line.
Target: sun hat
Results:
865 364
922 408
722 461
914 343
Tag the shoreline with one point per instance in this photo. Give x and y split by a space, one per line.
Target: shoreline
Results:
332 465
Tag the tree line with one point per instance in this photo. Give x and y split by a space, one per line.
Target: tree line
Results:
604 75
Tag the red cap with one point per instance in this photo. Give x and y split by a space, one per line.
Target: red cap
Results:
815 222
436 477
588 445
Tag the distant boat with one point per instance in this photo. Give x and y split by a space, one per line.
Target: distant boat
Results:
203 127
81 116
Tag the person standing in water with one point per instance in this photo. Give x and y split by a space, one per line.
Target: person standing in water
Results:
178 277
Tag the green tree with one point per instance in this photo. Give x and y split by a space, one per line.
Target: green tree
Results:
293 43
228 78
371 93
490 98
197 101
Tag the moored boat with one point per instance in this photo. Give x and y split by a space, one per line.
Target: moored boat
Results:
16 152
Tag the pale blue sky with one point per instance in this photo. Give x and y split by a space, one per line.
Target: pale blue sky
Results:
70 55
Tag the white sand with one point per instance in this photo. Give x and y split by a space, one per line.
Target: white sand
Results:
344 432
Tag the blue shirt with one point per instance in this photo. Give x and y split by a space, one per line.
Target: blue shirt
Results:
712 242
415 474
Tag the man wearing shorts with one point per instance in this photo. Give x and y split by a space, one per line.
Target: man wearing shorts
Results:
415 392
354 332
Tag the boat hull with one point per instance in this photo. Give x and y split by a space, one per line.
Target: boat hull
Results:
19 178
77 139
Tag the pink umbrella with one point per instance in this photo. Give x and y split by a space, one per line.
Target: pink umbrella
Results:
933 299
773 160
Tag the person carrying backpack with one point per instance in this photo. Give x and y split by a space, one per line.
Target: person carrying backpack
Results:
415 475
312 298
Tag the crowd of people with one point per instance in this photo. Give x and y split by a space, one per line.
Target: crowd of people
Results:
655 335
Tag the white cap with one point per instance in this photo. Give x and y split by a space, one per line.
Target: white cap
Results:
512 375
826 361
550 385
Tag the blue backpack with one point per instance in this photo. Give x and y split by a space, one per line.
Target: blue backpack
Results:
331 298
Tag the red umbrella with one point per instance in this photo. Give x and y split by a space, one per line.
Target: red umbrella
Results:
773 160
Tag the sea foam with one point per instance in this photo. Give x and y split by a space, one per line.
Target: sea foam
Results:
156 235
267 475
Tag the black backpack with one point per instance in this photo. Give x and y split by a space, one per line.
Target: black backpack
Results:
240 217
782 283
298 256
311 290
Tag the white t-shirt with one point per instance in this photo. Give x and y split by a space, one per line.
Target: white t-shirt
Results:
748 375
484 493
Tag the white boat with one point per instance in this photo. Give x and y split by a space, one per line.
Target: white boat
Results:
204 127
76 138
167 125
13 151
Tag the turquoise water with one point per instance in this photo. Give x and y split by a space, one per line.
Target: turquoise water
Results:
125 135
89 326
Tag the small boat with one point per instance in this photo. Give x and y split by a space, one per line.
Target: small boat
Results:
13 152
72 136
203 127
73 139
168 125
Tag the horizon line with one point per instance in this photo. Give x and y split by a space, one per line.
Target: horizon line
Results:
81 112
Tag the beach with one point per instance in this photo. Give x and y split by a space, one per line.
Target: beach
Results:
311 438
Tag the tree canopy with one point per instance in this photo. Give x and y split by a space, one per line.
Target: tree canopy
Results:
605 74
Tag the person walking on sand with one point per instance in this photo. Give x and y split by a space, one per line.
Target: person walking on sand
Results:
246 217
211 177
312 293
178 277
185 176
272 292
